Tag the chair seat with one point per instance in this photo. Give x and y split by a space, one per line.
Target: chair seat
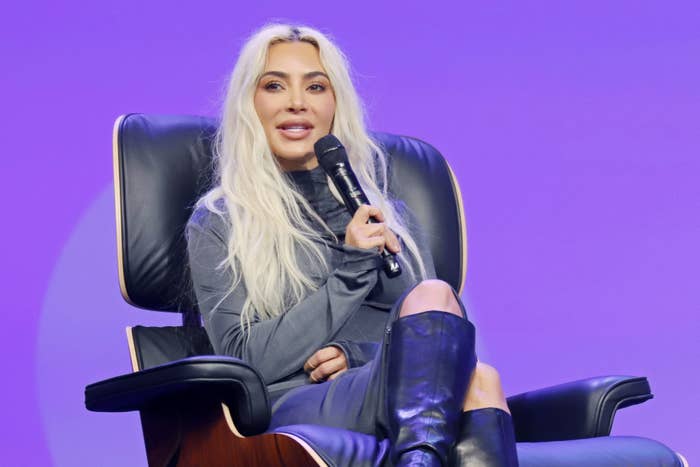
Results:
605 451
338 447
343 448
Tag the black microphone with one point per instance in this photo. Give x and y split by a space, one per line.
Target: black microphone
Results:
334 160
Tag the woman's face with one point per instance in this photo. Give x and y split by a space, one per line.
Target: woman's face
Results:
295 103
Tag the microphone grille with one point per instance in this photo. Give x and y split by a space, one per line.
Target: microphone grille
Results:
329 152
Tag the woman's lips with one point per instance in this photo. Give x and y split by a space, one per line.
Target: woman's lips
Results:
295 132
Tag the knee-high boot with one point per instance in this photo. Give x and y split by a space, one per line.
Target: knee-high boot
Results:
486 439
431 359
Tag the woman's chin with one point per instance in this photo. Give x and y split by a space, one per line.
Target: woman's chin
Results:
300 161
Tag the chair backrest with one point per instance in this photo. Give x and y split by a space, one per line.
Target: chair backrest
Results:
163 164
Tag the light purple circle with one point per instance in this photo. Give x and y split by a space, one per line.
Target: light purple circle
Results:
81 340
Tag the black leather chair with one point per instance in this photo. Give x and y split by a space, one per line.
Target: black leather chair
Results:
201 409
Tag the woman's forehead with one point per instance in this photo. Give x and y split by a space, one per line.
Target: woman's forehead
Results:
293 57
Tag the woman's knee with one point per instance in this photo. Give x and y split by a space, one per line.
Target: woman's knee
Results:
485 389
432 294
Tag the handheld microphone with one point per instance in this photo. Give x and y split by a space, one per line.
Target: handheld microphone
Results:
334 160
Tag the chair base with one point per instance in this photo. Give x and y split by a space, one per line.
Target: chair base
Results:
203 434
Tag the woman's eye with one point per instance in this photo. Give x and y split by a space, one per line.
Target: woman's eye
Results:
316 87
273 86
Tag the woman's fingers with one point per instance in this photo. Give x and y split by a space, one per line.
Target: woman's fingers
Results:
375 235
335 375
366 211
371 242
392 242
326 363
327 369
366 235
322 355
372 230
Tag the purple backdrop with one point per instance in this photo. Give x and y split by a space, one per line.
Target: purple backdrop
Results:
572 127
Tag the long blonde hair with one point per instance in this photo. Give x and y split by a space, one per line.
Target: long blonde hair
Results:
268 227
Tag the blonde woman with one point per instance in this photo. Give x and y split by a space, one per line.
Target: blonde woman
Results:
288 281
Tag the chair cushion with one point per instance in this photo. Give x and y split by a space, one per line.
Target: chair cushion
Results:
340 448
605 451
343 448
161 166
156 346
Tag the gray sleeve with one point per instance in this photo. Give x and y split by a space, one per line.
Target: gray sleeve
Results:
279 346
357 353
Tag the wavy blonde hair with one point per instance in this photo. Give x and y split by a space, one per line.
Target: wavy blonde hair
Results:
268 228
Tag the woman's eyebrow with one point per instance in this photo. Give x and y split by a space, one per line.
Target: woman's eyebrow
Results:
283 75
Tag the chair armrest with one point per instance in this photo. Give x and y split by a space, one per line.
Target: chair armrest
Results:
229 379
580 409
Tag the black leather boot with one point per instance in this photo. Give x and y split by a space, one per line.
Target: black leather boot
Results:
486 439
430 361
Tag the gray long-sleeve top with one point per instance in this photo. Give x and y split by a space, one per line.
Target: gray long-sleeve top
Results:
348 310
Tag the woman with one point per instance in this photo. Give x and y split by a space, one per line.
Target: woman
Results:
287 280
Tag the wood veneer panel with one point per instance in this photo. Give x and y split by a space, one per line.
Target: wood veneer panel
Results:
198 435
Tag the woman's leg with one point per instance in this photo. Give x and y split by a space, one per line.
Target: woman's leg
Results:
430 359
434 295
486 436
485 390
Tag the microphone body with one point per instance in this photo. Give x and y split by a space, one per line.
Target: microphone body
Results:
349 188
334 160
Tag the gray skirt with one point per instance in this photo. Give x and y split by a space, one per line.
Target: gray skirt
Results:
355 400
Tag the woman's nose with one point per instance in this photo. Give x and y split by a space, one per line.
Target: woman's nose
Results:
297 101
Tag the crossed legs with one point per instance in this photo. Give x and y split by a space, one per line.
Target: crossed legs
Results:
485 388
433 374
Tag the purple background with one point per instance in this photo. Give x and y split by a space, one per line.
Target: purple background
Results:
572 127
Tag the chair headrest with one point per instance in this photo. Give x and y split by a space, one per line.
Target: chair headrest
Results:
163 164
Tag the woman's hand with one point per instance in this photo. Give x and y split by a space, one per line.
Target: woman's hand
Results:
326 364
360 234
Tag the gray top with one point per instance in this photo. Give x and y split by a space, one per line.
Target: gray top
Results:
349 310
